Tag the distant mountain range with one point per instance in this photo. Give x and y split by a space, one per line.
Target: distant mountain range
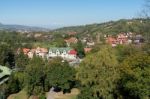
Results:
22 28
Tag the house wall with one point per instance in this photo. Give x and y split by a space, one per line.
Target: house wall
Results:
64 55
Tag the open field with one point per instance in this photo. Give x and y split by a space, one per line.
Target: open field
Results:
22 95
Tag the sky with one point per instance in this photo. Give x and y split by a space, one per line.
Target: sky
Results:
66 12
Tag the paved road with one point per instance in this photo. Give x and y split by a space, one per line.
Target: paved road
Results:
50 94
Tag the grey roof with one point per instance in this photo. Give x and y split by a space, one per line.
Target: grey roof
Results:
54 49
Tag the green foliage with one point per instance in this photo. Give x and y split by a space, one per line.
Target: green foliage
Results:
4 91
59 42
123 51
96 48
41 76
42 96
35 76
6 56
136 76
60 74
99 72
21 60
86 93
14 85
146 48
79 47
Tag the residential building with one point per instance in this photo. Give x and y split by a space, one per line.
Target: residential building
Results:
72 33
65 53
122 38
37 35
91 43
25 50
138 39
72 40
87 50
112 41
41 52
31 53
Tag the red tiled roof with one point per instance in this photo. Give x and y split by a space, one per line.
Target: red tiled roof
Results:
86 50
74 52
25 50
111 40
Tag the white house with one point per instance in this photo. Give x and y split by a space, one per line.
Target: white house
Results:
65 53
42 52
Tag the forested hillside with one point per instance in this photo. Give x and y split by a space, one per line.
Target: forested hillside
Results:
138 26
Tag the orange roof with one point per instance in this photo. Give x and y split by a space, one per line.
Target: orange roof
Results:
86 50
111 40
25 50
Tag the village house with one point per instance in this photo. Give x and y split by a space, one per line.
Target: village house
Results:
37 35
72 40
122 38
41 52
65 53
138 39
112 41
25 51
31 53
129 34
71 33
87 50
90 43
28 52
84 40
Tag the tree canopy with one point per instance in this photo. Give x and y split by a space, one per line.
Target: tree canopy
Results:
60 75
136 76
99 72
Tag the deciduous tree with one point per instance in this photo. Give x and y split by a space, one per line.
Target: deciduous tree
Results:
99 73
35 76
136 76
60 74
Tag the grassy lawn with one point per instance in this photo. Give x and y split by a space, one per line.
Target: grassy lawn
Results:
22 95
72 95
